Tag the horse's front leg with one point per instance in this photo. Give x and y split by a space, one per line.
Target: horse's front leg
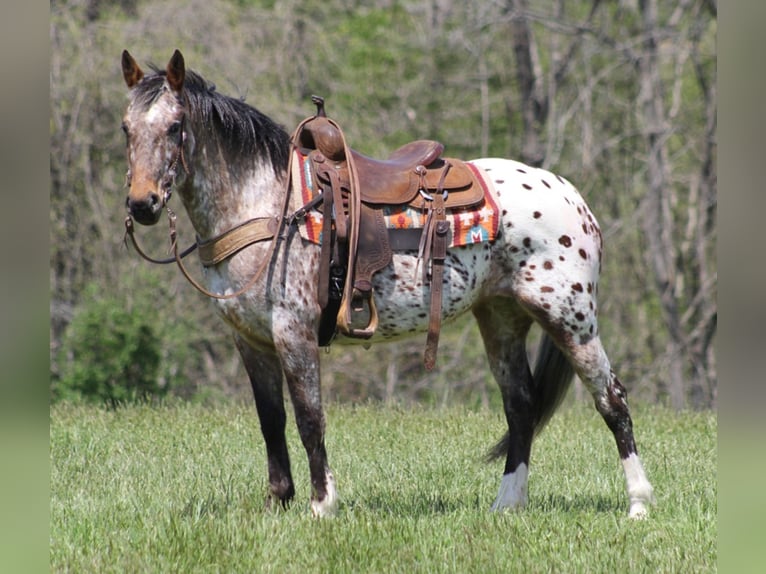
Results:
297 347
265 372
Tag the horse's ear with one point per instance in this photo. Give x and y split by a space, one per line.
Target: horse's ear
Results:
130 70
176 71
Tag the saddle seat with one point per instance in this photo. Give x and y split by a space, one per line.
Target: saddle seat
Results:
390 181
396 180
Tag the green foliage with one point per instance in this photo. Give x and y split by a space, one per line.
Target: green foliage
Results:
110 355
139 344
181 488
391 72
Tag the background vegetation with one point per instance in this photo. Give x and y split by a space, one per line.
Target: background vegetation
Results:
620 97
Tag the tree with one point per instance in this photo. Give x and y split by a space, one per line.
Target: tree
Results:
676 180
680 213
619 97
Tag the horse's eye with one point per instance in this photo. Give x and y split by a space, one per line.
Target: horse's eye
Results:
124 128
174 129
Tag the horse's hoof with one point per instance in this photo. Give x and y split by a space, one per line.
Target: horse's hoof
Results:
329 504
323 508
638 511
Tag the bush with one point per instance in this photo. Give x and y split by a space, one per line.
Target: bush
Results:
109 354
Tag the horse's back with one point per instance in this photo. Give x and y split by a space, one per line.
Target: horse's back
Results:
539 203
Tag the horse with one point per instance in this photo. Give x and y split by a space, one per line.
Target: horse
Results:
229 164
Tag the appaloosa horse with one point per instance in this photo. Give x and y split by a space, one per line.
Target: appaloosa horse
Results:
228 163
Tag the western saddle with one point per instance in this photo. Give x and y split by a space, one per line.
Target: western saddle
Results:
354 190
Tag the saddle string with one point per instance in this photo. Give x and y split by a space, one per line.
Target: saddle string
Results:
424 247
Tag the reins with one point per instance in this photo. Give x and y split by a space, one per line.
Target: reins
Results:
129 233
264 232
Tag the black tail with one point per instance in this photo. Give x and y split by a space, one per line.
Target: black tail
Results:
551 379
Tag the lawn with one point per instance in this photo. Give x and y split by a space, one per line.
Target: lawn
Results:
180 489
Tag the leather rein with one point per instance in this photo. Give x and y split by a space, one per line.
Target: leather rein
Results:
221 247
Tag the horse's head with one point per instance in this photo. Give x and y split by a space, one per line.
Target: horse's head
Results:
155 129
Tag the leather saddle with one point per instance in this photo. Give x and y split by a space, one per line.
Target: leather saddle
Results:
353 191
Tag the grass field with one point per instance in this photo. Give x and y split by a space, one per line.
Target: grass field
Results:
180 489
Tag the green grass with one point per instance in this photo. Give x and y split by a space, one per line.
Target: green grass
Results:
181 489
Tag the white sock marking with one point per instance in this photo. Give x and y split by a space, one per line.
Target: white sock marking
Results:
640 491
513 490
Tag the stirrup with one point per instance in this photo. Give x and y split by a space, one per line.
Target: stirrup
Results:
344 320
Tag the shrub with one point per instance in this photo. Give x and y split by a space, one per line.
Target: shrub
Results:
109 354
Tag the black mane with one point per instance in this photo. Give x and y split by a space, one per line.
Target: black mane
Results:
241 128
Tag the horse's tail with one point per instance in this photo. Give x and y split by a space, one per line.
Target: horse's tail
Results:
550 381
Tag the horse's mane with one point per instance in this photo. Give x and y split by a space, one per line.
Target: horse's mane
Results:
241 128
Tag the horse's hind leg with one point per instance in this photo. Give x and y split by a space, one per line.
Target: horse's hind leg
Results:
592 366
504 326
265 374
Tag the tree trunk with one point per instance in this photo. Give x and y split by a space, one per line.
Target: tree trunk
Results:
685 285
534 100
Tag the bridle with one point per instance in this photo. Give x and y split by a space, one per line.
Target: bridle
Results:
219 248
169 179
166 185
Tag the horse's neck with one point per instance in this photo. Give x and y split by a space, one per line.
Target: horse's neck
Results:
219 195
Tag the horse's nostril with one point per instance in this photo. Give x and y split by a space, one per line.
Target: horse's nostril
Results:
145 210
151 201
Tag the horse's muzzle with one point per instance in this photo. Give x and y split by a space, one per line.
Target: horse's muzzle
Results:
146 210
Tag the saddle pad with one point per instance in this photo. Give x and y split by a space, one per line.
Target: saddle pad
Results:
468 225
